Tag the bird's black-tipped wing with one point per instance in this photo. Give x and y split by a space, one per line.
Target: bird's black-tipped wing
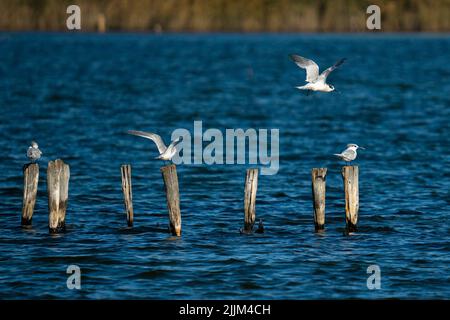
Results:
325 74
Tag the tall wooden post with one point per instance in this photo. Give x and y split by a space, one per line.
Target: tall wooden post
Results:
318 176
30 185
127 192
58 174
251 186
170 178
350 177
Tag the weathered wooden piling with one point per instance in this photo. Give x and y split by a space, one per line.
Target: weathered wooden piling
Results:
251 186
170 178
58 174
350 177
30 185
127 192
318 176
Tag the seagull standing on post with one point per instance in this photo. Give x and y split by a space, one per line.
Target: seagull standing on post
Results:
33 152
315 81
165 153
349 154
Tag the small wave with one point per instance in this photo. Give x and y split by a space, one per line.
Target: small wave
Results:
250 285
75 259
280 194
381 229
11 191
150 274
408 212
142 229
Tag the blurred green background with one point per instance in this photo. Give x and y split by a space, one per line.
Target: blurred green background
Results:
226 15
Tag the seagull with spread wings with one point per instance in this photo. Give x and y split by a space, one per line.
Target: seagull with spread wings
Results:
165 153
316 81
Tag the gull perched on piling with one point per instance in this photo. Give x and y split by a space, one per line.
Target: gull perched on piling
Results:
165 153
349 154
33 152
315 81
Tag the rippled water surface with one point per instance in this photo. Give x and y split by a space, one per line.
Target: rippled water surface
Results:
77 94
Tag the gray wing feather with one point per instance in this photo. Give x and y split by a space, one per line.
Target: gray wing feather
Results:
349 154
325 73
312 69
152 136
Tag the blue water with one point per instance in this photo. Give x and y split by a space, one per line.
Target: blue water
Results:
76 94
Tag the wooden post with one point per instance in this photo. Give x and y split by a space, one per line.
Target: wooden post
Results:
350 177
30 185
170 177
127 194
58 175
251 186
318 176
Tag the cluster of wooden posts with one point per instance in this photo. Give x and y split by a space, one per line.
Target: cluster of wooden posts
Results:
351 190
58 174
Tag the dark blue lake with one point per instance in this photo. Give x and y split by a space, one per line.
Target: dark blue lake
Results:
77 95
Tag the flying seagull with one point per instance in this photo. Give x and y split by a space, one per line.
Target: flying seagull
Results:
315 81
349 154
165 153
33 152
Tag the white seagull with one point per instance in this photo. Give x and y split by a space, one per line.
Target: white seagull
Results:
349 154
165 153
33 152
315 81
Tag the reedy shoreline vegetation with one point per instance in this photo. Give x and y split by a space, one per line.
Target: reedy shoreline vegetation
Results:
228 15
